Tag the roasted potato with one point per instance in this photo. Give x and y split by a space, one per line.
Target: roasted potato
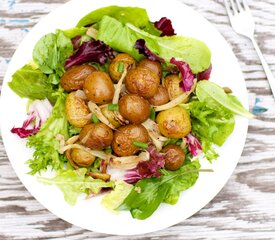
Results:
174 122
134 108
73 79
121 58
142 81
125 136
174 157
96 136
110 115
152 65
161 97
99 87
172 84
76 110
81 157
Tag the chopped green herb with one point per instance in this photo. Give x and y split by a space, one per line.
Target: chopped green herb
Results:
108 150
153 114
113 107
95 119
120 67
140 144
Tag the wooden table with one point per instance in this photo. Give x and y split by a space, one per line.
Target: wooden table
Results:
244 209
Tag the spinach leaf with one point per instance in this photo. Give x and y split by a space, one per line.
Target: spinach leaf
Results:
123 38
213 95
134 15
30 82
149 193
51 52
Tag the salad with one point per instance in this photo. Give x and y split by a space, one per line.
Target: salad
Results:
123 107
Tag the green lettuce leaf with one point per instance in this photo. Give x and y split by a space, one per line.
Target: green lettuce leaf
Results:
134 15
122 38
212 94
74 182
149 193
45 143
51 52
75 31
30 82
115 198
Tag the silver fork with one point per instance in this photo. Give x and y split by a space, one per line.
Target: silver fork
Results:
242 22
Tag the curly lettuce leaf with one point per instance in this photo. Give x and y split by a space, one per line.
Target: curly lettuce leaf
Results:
30 82
123 38
74 182
149 193
45 143
51 52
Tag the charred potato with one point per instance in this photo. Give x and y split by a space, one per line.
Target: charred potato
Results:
161 97
172 84
134 108
142 81
81 157
174 122
121 58
152 65
174 157
73 79
99 87
124 138
96 136
76 110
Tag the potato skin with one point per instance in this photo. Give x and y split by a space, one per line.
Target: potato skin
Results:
76 110
172 84
73 79
81 157
96 136
142 81
174 157
110 116
134 108
99 87
124 58
161 97
125 136
174 122
152 65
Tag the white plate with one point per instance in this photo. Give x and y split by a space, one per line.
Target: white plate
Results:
89 214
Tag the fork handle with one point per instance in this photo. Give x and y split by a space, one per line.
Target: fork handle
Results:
267 70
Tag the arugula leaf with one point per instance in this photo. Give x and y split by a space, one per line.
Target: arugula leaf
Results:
28 82
51 52
123 38
134 15
212 94
45 143
74 182
149 193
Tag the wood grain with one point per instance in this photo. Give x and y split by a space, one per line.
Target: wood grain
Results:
244 209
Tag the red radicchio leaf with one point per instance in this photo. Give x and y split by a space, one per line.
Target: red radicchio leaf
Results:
193 144
205 75
147 169
76 41
186 74
24 131
165 25
91 51
142 49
